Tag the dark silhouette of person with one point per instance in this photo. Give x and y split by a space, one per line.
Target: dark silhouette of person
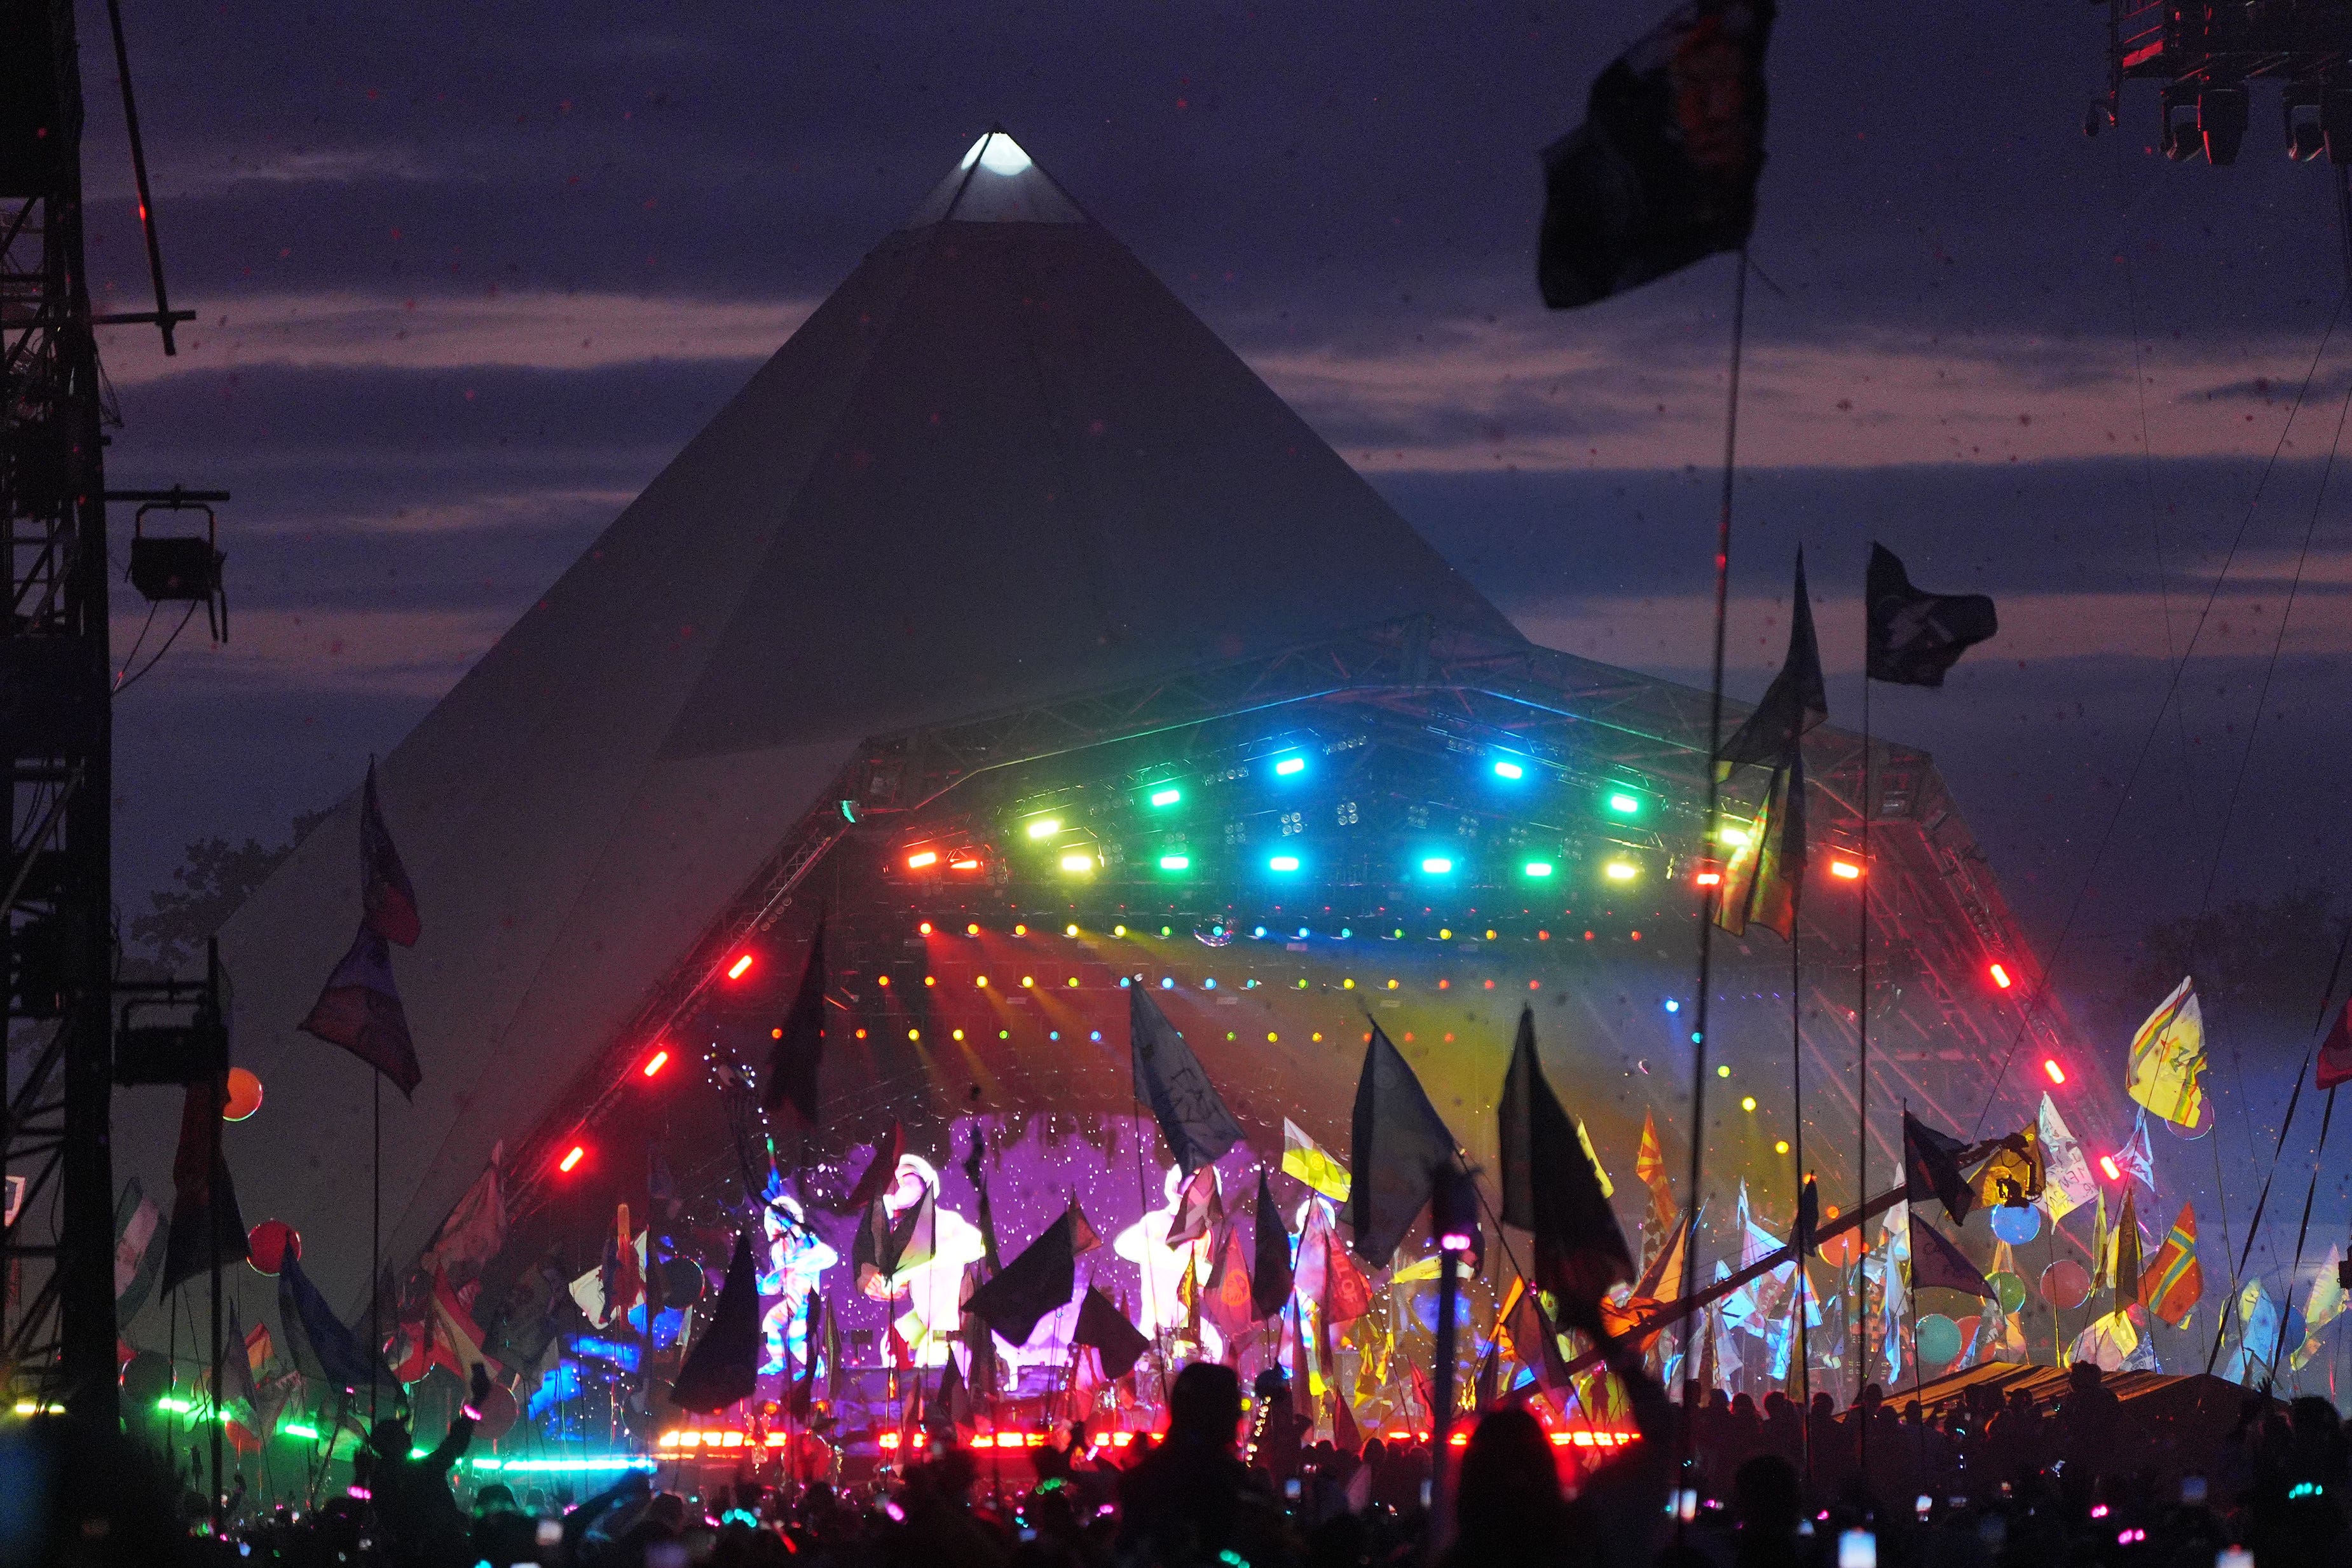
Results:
1507 1506
1192 1497
418 1523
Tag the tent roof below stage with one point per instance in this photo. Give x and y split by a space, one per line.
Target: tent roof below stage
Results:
2181 1418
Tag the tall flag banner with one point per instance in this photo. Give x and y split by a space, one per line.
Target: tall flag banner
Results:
1399 1147
1168 1078
879 1173
1934 1260
450 1338
387 901
474 1230
977 1176
2016 1175
1531 1338
722 1365
2168 1054
1198 1208
1761 878
2175 1281
1931 1168
1650 1169
2136 1158
1551 1186
317 1340
2102 1246
1793 705
207 1232
812 1335
1663 171
136 1256
2334 1064
2321 1308
1325 1276
1226 1301
798 1057
360 1010
2071 1184
237 1400
2114 1343
1305 1160
1103 1326
1040 1280
2127 1254
1915 637
2258 1333
889 1244
1270 1274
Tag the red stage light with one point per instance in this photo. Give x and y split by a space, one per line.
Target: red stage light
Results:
1844 870
964 866
1710 879
925 928
2000 977
579 1152
656 1063
739 967
2107 1164
922 858
2057 1073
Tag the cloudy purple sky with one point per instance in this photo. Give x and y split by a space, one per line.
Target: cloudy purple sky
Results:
467 276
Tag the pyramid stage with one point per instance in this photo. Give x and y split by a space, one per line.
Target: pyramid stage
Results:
1007 622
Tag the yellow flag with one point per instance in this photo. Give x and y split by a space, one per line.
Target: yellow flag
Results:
1307 1161
2322 1307
2168 1053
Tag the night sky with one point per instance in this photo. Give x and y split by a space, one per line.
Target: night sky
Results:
466 278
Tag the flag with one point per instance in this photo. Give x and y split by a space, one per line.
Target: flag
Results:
1531 1337
1041 1279
1931 1168
1270 1274
593 1290
1795 702
2258 1335
2321 1308
1307 1161
2174 1281
2336 1051
1663 171
1915 637
1325 1275
2016 1175
2136 1158
1934 1260
1761 878
2167 1052
1346 1437
1650 1168
1197 1208
813 1336
136 1222
206 1229
878 1174
1551 1186
387 901
1398 1147
1226 1301
2070 1183
316 1340
979 1179
450 1339
885 1244
2101 1248
799 1051
1169 1079
622 1275
2114 1343
2127 1254
1809 1218
360 1010
722 1364
474 1230
1106 1328
237 1400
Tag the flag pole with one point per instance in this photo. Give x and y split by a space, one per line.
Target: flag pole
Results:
1713 891
214 1214
376 1242
1797 1109
1862 1052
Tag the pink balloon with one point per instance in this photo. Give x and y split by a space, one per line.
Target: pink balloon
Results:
270 1244
2065 1284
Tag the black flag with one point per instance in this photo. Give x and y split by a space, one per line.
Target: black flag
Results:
723 1365
1915 637
1794 703
1169 1079
360 1010
1399 1145
1663 171
1931 1168
1550 1187
800 1044
387 901
1270 1268
1040 1280
1102 1325
207 1232
1936 1261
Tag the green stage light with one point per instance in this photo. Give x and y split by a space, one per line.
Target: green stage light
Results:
1175 862
1624 805
1044 827
1509 770
1167 796
1537 868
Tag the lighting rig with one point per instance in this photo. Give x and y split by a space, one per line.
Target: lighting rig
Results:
2207 56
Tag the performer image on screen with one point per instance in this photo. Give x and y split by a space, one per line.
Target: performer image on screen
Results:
917 1256
797 1259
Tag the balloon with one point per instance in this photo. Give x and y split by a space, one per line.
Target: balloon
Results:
2009 1288
270 1244
2065 1284
2017 1226
499 1414
244 1095
1839 1251
145 1378
1939 1340
2190 1132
